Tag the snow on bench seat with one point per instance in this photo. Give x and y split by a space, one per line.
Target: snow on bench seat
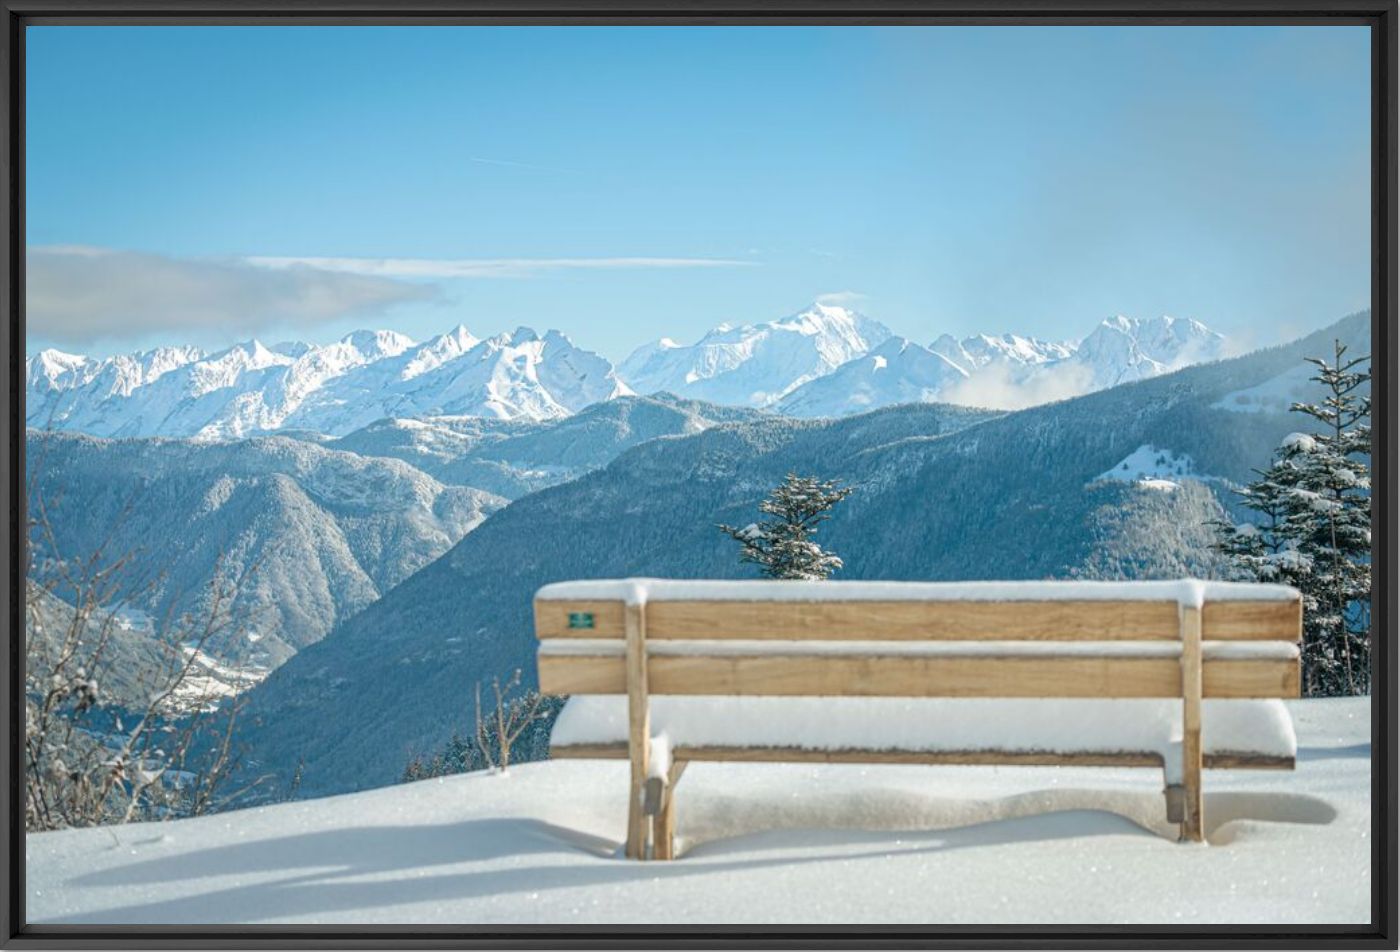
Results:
1233 728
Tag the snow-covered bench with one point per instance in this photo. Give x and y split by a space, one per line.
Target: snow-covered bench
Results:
1178 675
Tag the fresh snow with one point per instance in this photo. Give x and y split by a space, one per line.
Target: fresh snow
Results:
642 590
1058 725
761 844
1152 467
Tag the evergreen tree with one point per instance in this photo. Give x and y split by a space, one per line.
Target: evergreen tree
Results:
782 546
1315 527
1255 547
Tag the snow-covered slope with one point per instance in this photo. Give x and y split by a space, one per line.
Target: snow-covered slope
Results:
368 375
897 371
756 364
761 843
1155 468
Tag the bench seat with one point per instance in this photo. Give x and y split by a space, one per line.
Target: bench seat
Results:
1124 731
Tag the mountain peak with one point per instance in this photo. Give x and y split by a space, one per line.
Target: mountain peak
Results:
754 364
378 343
817 316
56 357
1125 348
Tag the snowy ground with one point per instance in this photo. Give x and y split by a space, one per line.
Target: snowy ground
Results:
763 843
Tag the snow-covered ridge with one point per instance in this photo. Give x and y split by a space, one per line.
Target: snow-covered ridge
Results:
819 362
643 590
973 353
755 364
1009 371
334 389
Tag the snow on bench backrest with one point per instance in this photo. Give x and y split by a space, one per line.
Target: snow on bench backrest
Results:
920 611
918 639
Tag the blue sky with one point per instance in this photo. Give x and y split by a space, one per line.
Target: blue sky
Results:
626 183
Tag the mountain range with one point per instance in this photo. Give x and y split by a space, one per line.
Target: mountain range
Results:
823 361
366 376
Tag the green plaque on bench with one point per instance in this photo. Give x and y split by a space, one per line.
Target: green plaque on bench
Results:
580 619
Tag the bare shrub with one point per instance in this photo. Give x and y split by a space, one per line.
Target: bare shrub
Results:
121 724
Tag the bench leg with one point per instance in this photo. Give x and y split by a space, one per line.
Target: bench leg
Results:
664 824
637 820
1193 812
1192 822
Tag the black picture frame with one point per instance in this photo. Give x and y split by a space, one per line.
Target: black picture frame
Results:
1379 15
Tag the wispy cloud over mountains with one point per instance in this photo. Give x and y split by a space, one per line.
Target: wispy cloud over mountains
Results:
77 294
487 267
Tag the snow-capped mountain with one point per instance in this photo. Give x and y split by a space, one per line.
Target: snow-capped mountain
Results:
823 361
334 389
1123 349
974 353
754 365
897 371
1008 371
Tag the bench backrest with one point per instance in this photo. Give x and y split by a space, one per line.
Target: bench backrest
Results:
918 639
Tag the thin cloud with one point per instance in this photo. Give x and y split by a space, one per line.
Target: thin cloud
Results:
483 267
998 387
79 294
840 298
511 164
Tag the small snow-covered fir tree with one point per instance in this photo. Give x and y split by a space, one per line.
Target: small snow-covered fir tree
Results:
782 546
1256 547
1314 531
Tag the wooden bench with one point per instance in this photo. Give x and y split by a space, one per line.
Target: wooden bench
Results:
721 671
